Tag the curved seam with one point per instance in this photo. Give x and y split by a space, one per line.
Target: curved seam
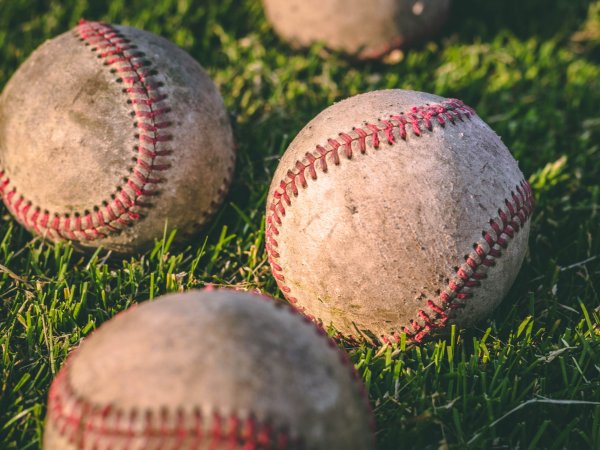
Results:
470 274
149 114
391 130
79 421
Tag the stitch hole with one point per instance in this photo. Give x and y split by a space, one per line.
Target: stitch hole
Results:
104 203
153 72
119 80
124 91
96 209
129 101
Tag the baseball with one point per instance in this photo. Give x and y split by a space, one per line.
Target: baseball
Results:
364 29
397 212
107 134
216 369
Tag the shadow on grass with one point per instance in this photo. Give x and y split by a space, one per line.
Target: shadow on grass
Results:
473 19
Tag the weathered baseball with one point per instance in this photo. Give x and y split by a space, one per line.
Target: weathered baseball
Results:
219 370
397 211
108 132
367 29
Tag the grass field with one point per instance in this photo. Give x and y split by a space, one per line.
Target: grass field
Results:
527 378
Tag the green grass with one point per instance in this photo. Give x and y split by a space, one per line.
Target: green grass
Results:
527 378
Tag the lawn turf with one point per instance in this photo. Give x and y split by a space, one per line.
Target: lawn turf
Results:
526 378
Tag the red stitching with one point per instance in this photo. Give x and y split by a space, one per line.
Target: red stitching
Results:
126 204
81 421
468 276
69 413
415 120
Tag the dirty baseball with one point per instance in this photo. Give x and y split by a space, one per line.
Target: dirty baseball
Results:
107 135
363 29
215 369
397 212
